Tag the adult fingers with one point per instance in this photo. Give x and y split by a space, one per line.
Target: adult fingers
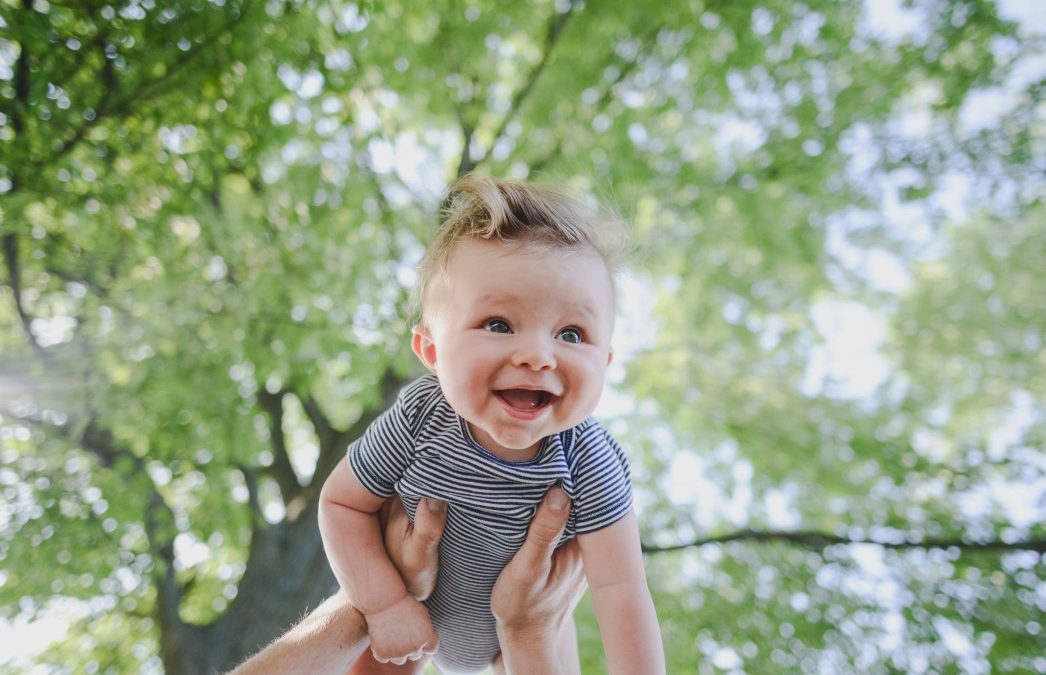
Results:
414 549
429 520
392 516
567 560
545 529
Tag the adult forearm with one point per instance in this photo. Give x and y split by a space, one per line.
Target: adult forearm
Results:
327 641
531 652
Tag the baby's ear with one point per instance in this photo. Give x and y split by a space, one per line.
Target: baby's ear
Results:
423 346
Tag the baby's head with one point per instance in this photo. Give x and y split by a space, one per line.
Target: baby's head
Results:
516 302
521 214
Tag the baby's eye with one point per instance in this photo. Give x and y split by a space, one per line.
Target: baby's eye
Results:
571 335
497 326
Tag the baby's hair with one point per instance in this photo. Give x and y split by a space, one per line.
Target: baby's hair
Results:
481 207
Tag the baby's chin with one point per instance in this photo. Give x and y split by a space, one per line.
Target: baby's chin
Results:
522 442
531 443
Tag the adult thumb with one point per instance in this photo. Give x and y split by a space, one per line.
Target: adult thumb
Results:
429 520
547 527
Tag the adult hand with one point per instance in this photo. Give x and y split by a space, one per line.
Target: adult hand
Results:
334 635
414 547
538 590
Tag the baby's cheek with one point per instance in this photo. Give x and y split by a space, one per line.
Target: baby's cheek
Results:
591 375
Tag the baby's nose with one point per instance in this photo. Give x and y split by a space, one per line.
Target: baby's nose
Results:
535 352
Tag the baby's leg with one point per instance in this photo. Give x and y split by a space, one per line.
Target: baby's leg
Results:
366 665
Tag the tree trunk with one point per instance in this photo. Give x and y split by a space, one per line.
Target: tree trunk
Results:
287 575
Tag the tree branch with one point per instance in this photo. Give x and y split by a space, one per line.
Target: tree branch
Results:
21 78
10 244
332 452
552 35
63 79
646 42
99 290
818 541
10 240
546 159
106 107
468 130
100 442
648 38
321 424
281 470
250 479
158 517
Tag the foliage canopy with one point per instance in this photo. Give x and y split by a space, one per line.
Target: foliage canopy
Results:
210 212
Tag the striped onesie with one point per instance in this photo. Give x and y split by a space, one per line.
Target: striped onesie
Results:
421 448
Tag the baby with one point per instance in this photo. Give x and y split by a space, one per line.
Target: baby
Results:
517 312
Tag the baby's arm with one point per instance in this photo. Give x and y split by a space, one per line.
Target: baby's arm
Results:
398 625
627 621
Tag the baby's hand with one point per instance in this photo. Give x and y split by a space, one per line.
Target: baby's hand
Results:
401 632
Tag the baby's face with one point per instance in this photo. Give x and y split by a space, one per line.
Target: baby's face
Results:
519 337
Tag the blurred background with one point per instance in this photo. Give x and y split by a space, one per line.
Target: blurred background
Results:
830 375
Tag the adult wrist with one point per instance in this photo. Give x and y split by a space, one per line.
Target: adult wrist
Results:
528 649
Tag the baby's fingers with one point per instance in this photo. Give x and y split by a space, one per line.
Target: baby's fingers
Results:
420 654
400 651
427 649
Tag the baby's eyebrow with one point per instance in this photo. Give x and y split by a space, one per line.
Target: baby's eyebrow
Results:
494 299
584 308
500 299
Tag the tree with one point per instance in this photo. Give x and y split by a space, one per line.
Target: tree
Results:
211 214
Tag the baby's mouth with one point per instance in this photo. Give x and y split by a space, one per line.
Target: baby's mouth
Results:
527 400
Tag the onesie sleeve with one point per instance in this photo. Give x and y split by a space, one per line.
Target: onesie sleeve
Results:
602 487
380 456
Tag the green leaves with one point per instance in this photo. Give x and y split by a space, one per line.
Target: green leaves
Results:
212 212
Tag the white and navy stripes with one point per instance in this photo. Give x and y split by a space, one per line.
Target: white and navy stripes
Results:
421 448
